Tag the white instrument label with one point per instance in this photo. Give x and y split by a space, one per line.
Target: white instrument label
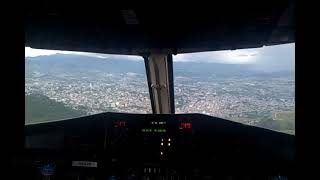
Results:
84 164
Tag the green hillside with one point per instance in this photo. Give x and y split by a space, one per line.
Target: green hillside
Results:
39 108
280 121
283 121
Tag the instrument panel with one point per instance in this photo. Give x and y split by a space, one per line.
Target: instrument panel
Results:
150 146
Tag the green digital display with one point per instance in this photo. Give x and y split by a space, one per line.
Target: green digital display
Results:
154 130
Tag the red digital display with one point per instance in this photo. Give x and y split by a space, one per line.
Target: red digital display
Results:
121 123
185 125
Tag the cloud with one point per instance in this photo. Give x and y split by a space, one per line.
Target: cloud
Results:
225 57
277 57
243 55
30 52
266 58
134 58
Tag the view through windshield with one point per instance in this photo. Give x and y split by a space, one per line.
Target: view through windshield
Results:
251 86
61 85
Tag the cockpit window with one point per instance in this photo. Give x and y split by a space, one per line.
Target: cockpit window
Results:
250 86
63 84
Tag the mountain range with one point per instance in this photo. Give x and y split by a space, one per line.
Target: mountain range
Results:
69 63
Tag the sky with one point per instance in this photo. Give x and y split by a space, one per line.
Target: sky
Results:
30 52
267 58
277 57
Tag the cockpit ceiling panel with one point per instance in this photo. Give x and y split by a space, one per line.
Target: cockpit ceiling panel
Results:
224 26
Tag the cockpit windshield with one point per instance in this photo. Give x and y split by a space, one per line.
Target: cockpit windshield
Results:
63 84
250 86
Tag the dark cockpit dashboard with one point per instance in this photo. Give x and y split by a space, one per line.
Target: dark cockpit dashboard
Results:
156 146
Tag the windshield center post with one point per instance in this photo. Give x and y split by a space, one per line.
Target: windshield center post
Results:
159 70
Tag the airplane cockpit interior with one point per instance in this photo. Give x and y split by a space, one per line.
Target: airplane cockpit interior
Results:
165 112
